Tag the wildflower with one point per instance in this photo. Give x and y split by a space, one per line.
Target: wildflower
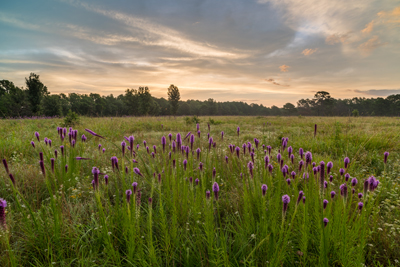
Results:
216 190
285 200
301 164
264 188
104 150
330 178
353 191
99 147
153 155
360 195
366 185
270 168
290 151
134 185
210 142
123 145
41 163
325 184
269 148
170 137
244 148
304 200
46 141
191 140
325 203
197 181
49 142
214 172
52 164
256 142
288 181
198 133
3 205
198 127
238 130
237 151
346 162
308 157
66 168
300 197
360 206
329 167
128 195
137 171
184 164
201 166
173 146
73 143
106 179
144 143
190 179
178 140
279 157
198 151
252 156
137 147
343 190
293 174
148 150
354 182
292 158
325 222
301 153
333 194
226 159
188 134
55 153
315 170
385 155
93 133
6 166
341 171
37 136
208 194
33 144
96 173
126 169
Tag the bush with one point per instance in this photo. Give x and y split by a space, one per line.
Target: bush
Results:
192 120
71 119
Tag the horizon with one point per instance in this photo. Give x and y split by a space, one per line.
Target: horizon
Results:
266 52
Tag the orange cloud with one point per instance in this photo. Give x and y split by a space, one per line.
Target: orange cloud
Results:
284 68
368 28
370 45
392 17
337 38
308 52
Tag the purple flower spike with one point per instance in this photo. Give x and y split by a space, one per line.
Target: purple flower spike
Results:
99 147
360 206
52 164
126 170
347 177
198 133
173 146
325 219
187 136
354 182
304 200
66 168
104 150
278 157
360 195
325 184
3 205
55 153
41 163
123 146
198 127
73 143
329 167
250 166
301 153
196 181
33 144
214 172
106 179
341 171
137 171
300 197
134 185
200 166
325 203
331 178
216 190
178 140
190 179
264 188
80 158
288 181
6 166
333 194
346 162
37 136
308 157
83 138
270 168
385 155
208 194
238 130
128 195
343 190
170 137
237 149
226 159
173 163
12 178
285 200
163 142
290 151
93 133
184 164
292 158
41 156
50 142
293 175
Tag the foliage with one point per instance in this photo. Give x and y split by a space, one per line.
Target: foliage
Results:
173 98
355 113
192 120
214 122
71 119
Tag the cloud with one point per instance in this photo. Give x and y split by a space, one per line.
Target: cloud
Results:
378 92
308 52
338 38
284 68
270 80
370 45
392 17
368 28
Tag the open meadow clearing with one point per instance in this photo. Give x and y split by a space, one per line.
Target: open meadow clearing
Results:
229 191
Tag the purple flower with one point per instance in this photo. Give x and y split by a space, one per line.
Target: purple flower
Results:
3 205
50 142
385 155
216 190
197 181
134 185
159 177
200 166
244 148
37 136
12 178
308 157
288 181
270 168
128 195
346 162
208 194
191 140
33 144
290 151
188 134
55 153
341 171
269 148
106 179
178 140
137 147
285 200
99 147
210 142
256 142
93 133
148 150
330 178
360 206
144 143
278 157
137 171
214 172
343 190
190 179
300 197
333 194
6 166
360 195
153 155
325 219
66 168
347 177
250 166
293 174
237 149
184 164
315 170
173 146
150 201
325 184
198 151
73 143
198 133
238 130
123 145
41 164
304 200
325 203
301 153
226 159
322 172
170 137
292 158
354 182
329 167
163 142
264 188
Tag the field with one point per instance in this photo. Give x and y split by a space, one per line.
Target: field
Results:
154 209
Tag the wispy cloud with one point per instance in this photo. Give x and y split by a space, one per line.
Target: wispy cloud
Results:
284 68
370 45
368 28
309 51
378 92
270 80
338 38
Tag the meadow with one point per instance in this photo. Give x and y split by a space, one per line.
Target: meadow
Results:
229 191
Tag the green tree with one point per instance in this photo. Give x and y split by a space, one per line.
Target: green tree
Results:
51 105
173 97
36 91
144 99
355 113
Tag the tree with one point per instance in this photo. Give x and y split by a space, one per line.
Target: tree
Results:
173 97
36 91
52 105
289 109
145 100
355 113
323 103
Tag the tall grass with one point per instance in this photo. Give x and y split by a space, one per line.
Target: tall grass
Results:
58 218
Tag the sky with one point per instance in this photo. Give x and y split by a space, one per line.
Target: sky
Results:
267 52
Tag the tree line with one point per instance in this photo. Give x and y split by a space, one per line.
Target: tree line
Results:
36 100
